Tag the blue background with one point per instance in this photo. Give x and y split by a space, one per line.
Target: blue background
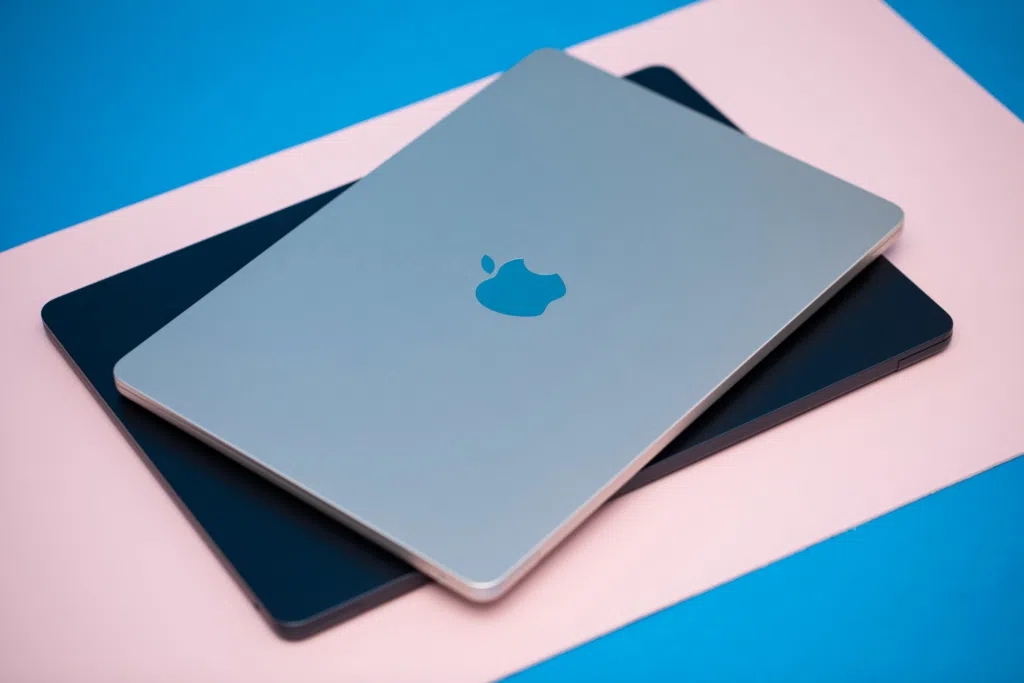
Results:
108 103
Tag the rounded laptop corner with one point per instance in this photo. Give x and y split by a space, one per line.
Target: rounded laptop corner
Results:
484 591
897 218
545 53
892 219
122 376
541 56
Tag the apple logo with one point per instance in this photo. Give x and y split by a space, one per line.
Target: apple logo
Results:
516 290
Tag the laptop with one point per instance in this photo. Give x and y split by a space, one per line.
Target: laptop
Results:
318 362
302 571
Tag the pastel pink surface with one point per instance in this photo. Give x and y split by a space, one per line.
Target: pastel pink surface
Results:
104 580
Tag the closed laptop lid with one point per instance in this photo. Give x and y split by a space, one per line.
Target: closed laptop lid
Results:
538 293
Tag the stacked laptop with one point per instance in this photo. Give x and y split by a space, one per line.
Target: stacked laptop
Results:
572 285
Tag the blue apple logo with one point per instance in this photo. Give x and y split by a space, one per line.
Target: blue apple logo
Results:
518 291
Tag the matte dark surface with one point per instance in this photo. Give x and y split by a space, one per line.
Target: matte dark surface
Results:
305 571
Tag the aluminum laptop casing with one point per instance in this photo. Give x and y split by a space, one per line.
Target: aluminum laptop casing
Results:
687 252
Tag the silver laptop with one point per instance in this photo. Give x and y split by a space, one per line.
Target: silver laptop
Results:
468 352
